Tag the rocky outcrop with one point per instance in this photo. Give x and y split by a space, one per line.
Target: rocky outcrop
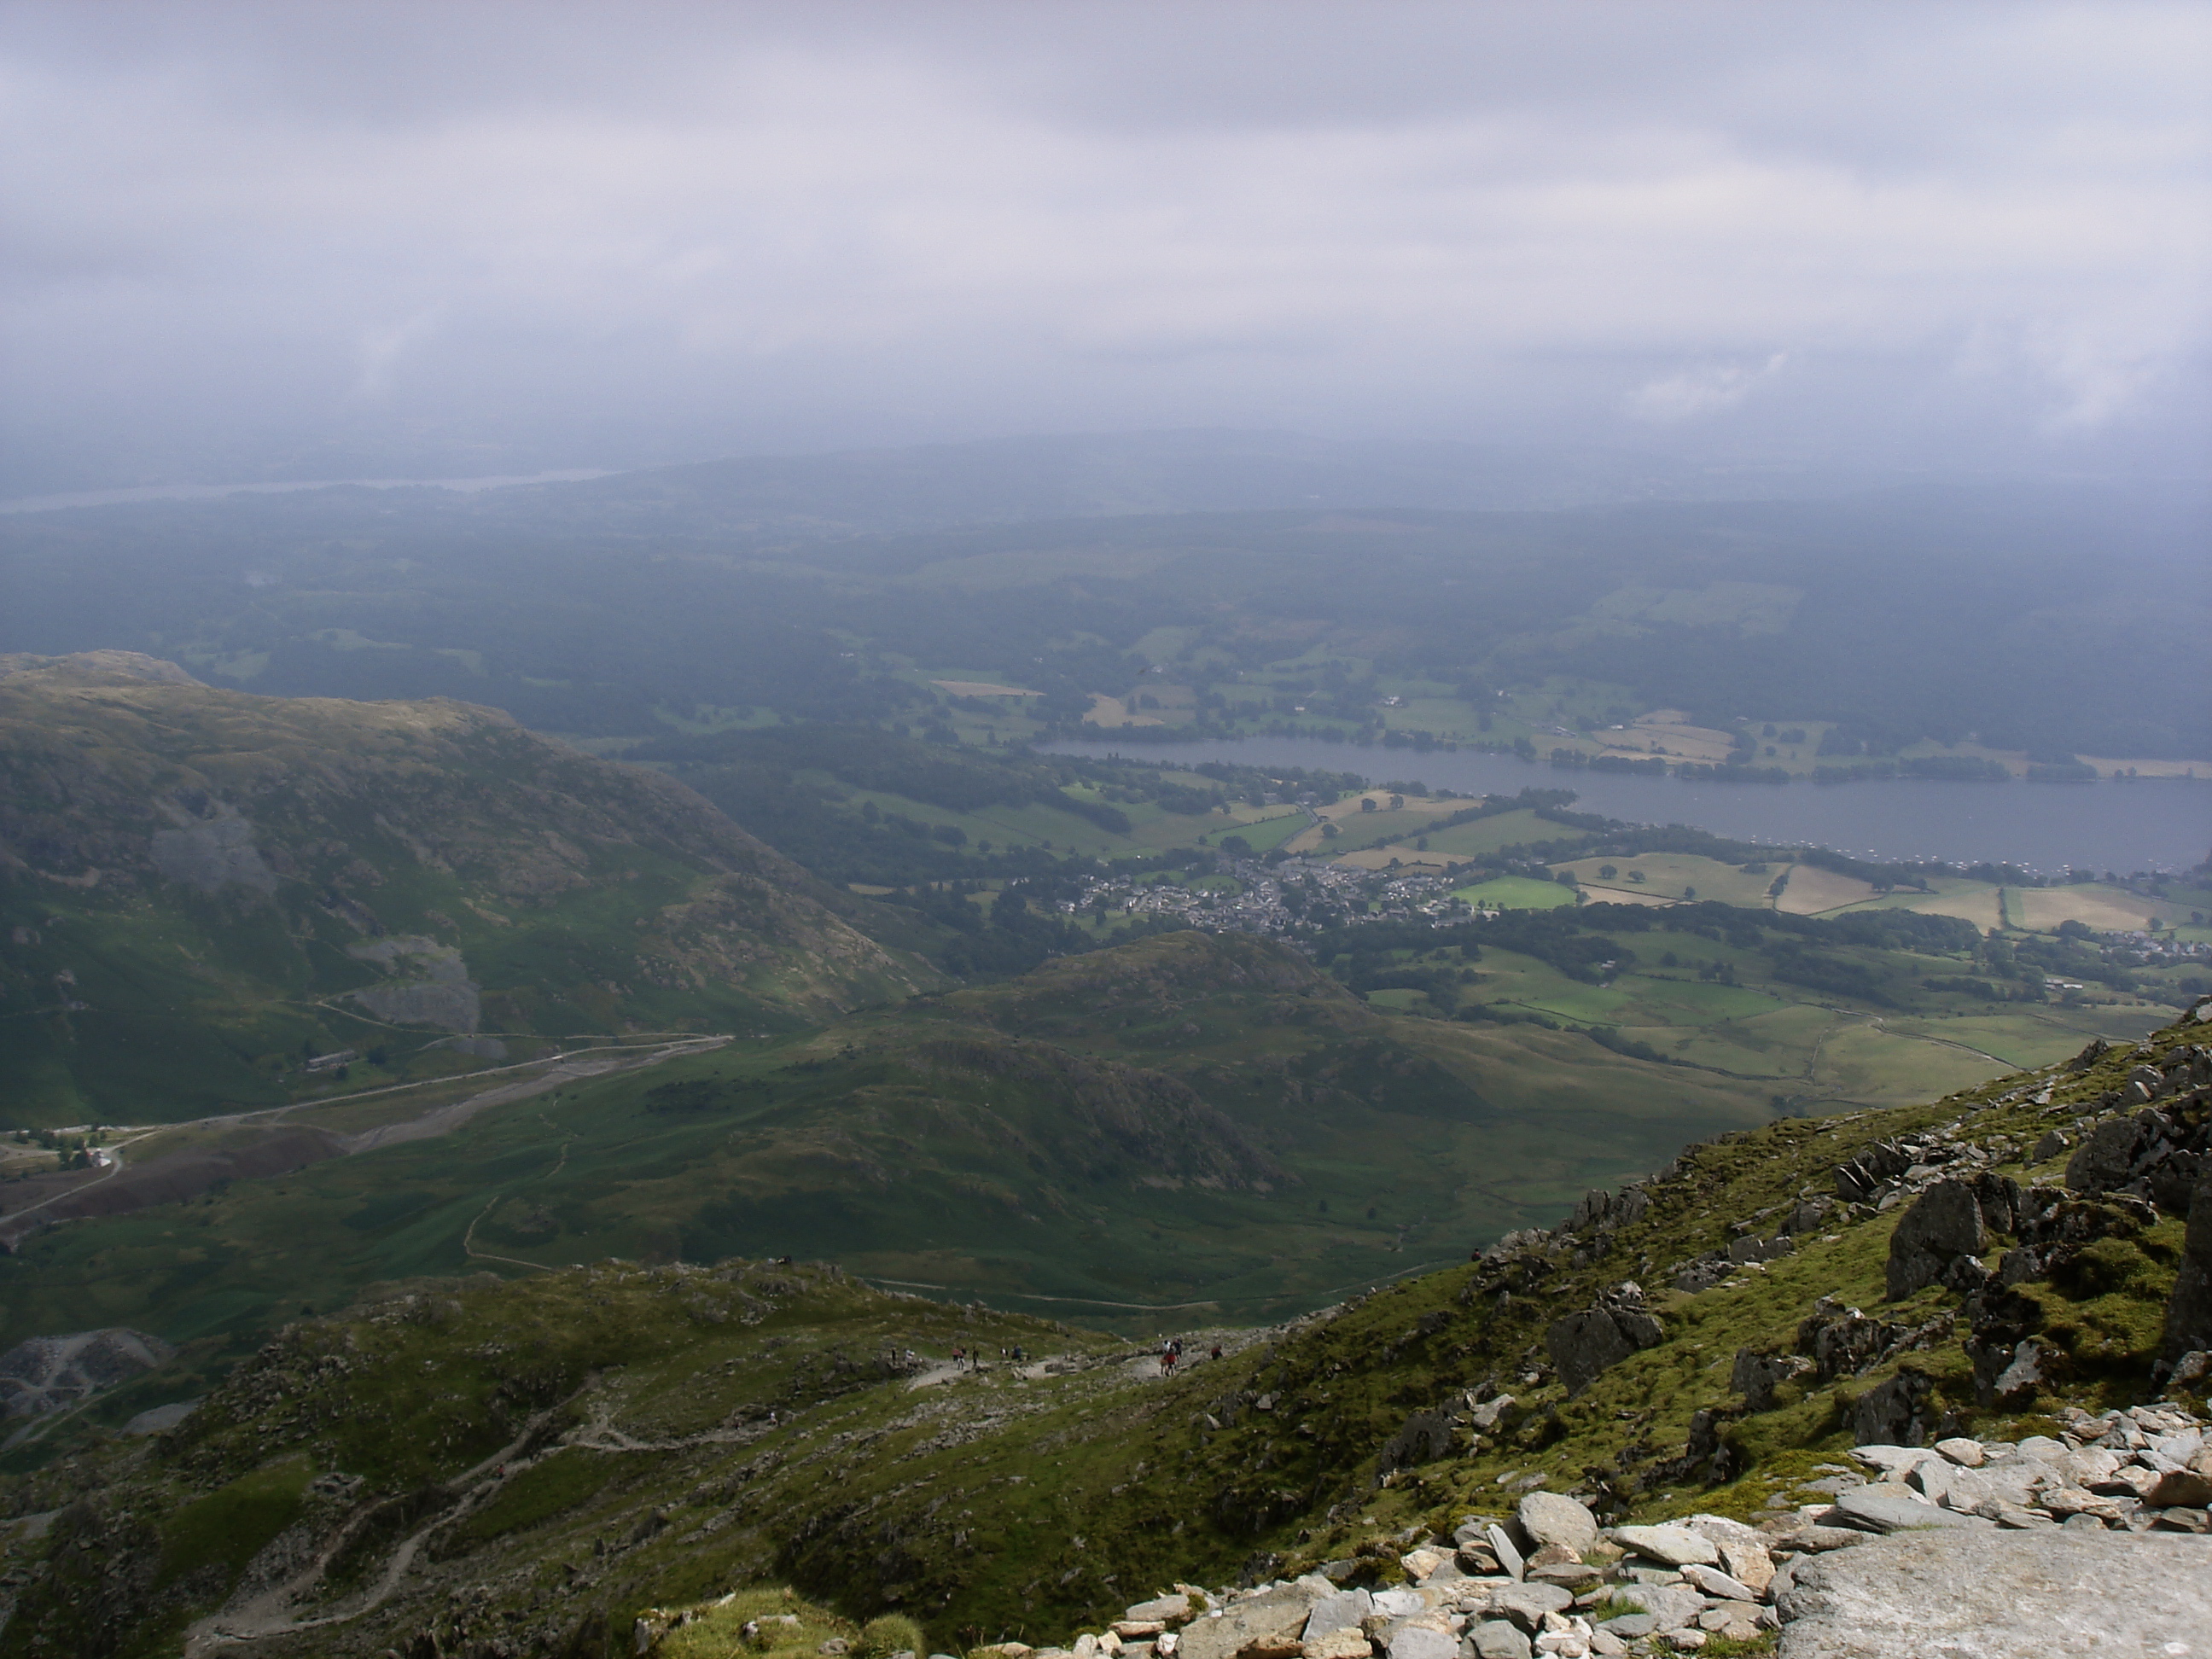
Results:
48 1373
1584 1345
1943 1226
2189 1313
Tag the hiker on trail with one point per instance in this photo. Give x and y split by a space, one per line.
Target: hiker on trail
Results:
1216 1351
1018 1355
1168 1360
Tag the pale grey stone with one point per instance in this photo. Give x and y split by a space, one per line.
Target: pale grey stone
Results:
1671 1605
1495 1639
1272 1614
1421 1642
1527 1604
1630 1626
1508 1558
2001 1596
2011 1484
1880 1512
1816 1539
1893 1459
1966 1454
1548 1518
1713 1582
1339 1610
1672 1547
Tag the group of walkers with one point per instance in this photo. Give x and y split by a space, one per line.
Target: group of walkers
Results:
971 1359
1171 1355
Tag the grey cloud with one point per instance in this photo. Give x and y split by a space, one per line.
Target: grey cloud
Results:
483 237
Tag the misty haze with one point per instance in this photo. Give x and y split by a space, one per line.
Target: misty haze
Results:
1105 831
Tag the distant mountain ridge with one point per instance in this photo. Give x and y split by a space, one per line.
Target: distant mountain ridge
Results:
1083 475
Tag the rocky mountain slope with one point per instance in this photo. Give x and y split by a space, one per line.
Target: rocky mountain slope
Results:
201 890
466 1467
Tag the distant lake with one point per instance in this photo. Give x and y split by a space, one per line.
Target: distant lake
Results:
2147 824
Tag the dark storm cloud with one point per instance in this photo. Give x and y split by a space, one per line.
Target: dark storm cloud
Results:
256 236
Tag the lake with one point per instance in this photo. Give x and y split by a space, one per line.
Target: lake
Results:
2162 824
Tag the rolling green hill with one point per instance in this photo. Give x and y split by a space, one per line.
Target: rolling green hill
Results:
1185 1120
201 890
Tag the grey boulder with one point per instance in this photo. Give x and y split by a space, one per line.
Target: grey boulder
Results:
1527 1604
1944 1224
1871 1510
1495 1639
1548 1518
1670 1546
1275 1615
2001 1596
1670 1607
1584 1345
1420 1642
1341 1611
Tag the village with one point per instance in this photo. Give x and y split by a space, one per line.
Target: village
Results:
1278 900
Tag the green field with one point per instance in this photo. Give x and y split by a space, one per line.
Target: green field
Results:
1261 835
1515 893
1642 877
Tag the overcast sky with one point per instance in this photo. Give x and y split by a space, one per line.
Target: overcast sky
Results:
347 239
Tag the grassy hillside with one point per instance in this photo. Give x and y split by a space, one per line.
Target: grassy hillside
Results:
1194 1119
554 1455
200 890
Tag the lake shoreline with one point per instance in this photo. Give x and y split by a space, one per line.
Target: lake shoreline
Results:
2051 829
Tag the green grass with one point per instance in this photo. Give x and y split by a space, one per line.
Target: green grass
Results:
1675 875
1487 836
226 1529
1515 893
1262 836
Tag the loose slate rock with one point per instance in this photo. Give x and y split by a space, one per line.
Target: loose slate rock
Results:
1275 1614
2000 1595
1168 1609
1670 1546
1670 1605
1342 1611
1548 1518
1527 1604
1509 1559
1495 1639
1880 1512
1419 1642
